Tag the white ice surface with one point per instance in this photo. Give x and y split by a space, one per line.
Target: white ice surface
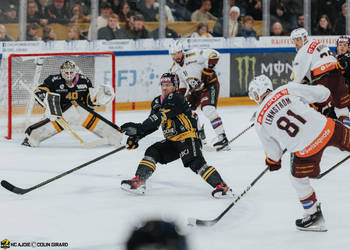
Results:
88 209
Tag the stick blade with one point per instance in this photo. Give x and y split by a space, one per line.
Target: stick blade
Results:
202 223
12 188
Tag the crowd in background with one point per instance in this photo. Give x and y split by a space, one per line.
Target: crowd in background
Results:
125 19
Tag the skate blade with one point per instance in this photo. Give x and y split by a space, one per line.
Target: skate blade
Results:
228 195
139 191
313 229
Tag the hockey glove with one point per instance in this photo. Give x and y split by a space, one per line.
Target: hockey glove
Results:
132 129
273 165
208 76
132 142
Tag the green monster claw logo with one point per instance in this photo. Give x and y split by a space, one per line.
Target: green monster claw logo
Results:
246 66
5 244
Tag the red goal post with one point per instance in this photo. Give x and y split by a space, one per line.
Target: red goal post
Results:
94 65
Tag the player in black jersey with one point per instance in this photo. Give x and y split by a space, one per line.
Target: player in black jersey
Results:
172 112
77 97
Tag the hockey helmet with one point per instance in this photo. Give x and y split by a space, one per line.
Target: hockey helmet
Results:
259 86
156 234
68 70
170 78
175 46
343 39
299 33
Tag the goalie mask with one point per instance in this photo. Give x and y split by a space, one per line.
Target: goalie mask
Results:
68 70
259 86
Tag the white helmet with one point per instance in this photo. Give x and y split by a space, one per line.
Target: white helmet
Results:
68 70
300 32
259 86
175 46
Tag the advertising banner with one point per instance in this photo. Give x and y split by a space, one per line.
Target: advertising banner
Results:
244 67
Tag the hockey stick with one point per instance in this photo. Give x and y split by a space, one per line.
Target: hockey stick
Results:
198 222
332 168
241 133
18 190
65 125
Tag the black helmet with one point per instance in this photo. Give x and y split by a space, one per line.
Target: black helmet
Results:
170 77
343 39
156 234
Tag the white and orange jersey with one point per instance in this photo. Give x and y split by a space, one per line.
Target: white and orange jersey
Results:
313 59
194 61
285 120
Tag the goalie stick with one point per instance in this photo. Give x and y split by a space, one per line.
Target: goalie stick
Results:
207 223
18 190
65 126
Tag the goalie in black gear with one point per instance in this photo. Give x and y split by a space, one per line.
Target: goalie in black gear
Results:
172 112
77 97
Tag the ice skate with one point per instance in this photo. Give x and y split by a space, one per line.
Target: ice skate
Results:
222 191
134 185
312 222
222 143
26 142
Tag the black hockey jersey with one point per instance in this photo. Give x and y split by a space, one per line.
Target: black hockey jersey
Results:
79 92
174 115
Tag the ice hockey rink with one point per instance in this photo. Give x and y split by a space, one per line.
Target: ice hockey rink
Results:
88 210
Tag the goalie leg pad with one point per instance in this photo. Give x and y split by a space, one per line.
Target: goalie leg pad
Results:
41 131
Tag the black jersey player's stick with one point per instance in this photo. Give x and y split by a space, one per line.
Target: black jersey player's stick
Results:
18 190
332 168
241 133
198 222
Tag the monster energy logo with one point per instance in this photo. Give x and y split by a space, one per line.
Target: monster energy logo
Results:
244 64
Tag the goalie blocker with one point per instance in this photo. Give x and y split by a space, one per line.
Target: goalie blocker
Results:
69 95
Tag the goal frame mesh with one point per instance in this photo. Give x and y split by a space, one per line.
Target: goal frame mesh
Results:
9 83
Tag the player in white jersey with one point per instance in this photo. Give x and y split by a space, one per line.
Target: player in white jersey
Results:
199 83
315 62
285 120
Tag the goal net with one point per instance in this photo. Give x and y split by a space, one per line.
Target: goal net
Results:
20 74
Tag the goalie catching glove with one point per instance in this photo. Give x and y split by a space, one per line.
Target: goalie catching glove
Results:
53 109
102 95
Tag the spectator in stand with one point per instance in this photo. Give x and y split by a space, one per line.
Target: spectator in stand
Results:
201 31
10 15
217 7
179 12
74 33
78 16
233 23
193 5
277 30
102 19
33 15
123 12
127 32
202 14
139 28
148 10
111 30
169 33
168 13
32 32
340 23
3 34
57 12
246 30
300 21
42 5
254 9
330 7
48 34
116 6
279 14
324 27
